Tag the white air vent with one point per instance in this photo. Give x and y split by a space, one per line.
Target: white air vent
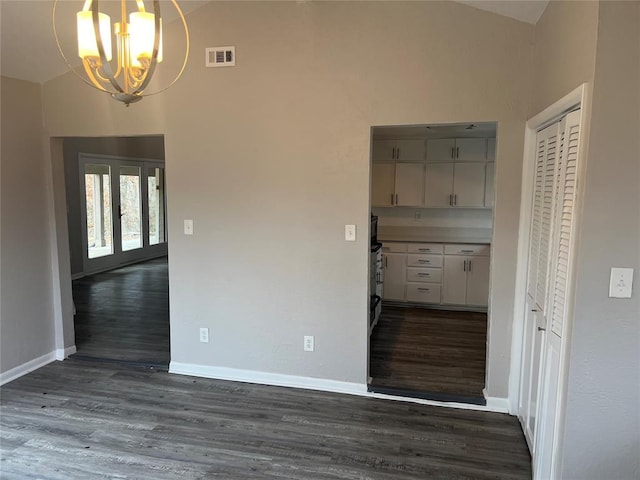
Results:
220 56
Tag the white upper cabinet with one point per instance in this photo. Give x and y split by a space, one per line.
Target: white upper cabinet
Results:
471 150
383 184
407 150
441 150
438 185
409 184
457 150
489 189
491 149
410 150
468 184
383 150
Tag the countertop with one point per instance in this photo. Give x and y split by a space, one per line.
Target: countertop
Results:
433 234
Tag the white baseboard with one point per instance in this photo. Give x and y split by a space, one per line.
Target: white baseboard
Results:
266 378
496 404
27 367
500 405
62 353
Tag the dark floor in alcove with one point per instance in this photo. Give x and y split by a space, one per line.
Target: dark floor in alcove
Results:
434 354
123 314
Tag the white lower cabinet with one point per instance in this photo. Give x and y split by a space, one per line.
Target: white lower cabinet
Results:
436 273
466 275
395 266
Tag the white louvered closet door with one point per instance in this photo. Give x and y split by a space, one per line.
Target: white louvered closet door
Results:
551 397
537 281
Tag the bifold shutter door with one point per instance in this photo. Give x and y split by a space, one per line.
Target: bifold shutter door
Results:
563 220
541 217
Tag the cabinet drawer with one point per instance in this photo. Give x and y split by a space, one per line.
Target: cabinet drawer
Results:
423 292
428 275
425 248
418 260
394 247
481 250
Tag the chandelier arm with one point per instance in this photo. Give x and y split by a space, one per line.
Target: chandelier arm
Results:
106 67
186 53
154 55
92 73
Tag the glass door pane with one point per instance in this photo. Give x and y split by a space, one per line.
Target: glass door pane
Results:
155 189
97 186
130 208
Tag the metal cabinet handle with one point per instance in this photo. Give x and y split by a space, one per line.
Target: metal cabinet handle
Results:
469 266
420 260
396 199
464 266
424 289
386 261
457 152
455 199
424 274
534 309
453 152
451 200
466 251
541 329
398 154
424 249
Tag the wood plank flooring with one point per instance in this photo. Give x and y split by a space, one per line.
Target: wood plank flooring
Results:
85 420
123 314
433 354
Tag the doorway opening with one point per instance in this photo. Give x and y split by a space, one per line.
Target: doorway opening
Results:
116 222
432 197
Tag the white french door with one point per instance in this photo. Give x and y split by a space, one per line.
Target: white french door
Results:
123 211
548 290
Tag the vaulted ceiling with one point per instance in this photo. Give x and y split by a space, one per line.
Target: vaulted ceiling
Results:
29 52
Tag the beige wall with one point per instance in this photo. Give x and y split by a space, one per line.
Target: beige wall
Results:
602 430
26 316
271 159
565 50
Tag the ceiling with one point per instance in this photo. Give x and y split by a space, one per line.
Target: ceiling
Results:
36 58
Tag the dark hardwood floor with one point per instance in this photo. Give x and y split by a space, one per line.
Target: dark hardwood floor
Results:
123 314
435 354
85 420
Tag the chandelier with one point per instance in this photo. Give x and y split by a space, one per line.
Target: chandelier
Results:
138 48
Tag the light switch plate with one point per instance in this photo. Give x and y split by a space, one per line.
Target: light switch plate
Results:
188 227
350 233
309 342
621 283
204 335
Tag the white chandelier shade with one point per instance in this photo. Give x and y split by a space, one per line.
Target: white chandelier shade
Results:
126 70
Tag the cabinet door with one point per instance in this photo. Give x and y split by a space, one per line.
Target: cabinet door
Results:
471 149
383 150
491 149
438 185
409 184
394 276
410 150
382 184
489 192
440 150
454 283
468 184
478 281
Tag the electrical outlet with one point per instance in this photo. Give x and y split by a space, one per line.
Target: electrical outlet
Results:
188 227
204 335
308 343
